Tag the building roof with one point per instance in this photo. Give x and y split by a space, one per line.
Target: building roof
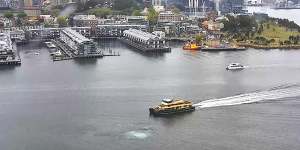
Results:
145 36
85 17
5 42
75 35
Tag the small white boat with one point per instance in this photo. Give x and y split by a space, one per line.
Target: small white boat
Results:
235 66
36 53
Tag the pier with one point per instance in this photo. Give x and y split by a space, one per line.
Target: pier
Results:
73 45
8 51
144 41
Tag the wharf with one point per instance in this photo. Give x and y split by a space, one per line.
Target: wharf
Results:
144 48
255 46
68 54
97 55
10 62
11 58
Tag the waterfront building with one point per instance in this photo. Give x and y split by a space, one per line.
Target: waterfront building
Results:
136 20
160 34
80 45
116 30
7 50
85 21
144 39
17 35
169 16
50 33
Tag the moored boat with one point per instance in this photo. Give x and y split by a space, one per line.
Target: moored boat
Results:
171 107
191 46
235 66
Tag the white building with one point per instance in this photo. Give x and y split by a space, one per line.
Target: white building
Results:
147 39
17 34
85 21
169 16
6 47
80 45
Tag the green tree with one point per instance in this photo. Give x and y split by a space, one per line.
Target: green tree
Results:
124 4
20 19
199 38
22 15
136 12
101 12
272 40
152 16
8 15
62 21
55 12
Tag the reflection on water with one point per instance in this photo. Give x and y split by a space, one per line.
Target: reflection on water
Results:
8 67
86 61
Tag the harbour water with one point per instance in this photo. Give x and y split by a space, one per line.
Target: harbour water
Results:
103 103
291 14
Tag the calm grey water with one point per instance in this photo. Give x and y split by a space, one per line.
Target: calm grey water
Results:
103 103
291 14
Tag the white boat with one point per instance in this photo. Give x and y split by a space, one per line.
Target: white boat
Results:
50 45
235 66
58 53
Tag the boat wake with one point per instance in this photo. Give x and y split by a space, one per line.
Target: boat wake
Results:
272 94
139 134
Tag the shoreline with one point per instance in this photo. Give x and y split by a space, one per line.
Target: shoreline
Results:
255 46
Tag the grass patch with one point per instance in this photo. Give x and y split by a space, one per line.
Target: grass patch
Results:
276 32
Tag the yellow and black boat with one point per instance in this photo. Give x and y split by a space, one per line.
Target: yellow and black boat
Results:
171 107
191 45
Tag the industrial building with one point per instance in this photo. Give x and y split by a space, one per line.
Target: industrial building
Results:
80 45
110 31
7 51
145 41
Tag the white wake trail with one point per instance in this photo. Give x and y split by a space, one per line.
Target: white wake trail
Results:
291 91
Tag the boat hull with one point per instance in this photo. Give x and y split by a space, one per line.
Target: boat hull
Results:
239 68
191 49
170 112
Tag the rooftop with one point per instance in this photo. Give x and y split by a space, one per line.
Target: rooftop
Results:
5 42
85 17
141 34
75 35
